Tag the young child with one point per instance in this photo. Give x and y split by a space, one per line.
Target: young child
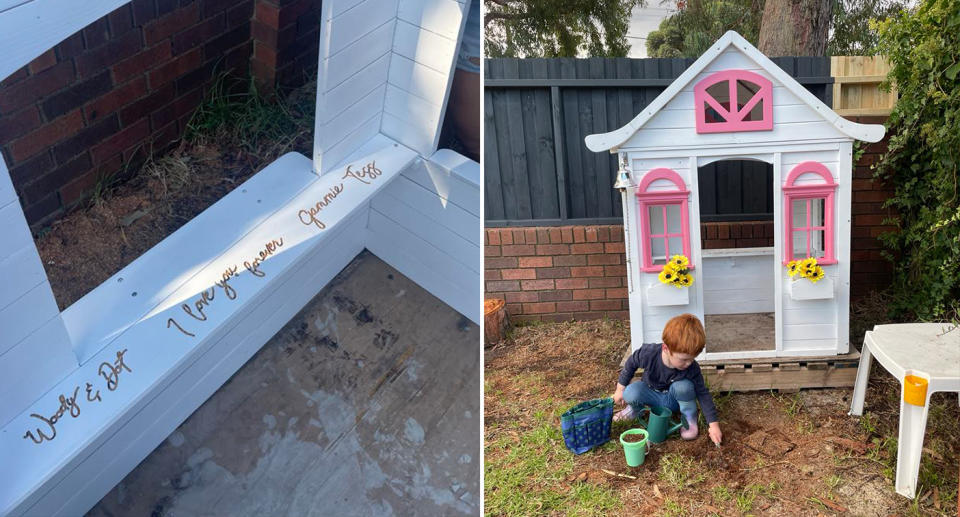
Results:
671 378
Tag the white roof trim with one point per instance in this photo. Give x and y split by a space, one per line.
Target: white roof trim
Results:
612 140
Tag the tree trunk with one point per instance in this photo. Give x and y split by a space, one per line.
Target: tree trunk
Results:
795 27
495 322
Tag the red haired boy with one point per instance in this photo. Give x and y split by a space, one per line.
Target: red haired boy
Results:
671 377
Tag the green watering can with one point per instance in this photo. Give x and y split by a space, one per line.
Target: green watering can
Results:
659 425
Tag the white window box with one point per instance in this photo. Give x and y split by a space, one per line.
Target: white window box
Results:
803 289
659 294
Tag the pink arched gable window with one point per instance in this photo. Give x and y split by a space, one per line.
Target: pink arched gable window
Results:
733 100
809 220
664 221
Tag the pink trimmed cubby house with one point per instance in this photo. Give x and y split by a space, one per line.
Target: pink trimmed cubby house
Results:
734 103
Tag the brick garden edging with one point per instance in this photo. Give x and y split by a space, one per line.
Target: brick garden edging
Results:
579 272
95 104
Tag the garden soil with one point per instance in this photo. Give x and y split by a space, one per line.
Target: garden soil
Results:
783 454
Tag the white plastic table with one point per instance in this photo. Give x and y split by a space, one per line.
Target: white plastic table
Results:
927 350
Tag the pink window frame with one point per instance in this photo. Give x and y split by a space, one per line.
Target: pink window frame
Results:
734 116
662 198
825 191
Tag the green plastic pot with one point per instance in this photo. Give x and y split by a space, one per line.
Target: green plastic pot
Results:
635 452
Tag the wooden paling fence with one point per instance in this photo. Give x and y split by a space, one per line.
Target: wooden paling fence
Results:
856 86
537 171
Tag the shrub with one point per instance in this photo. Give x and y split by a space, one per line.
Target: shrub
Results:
923 46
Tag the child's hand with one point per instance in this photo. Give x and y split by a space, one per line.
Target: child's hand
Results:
715 435
618 395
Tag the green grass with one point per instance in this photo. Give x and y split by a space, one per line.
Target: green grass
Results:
671 508
528 477
746 498
681 471
722 494
238 115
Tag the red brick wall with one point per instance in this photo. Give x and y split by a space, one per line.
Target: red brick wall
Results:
557 273
286 35
579 272
95 104
739 234
869 270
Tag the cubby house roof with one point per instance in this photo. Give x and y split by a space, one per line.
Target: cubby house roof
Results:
612 140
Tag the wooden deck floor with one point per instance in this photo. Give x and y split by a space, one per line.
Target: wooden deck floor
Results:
366 403
740 332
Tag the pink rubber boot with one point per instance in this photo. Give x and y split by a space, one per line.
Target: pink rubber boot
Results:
691 431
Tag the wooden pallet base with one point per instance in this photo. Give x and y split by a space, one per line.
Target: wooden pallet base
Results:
787 374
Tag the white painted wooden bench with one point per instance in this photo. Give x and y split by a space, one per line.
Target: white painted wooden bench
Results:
89 392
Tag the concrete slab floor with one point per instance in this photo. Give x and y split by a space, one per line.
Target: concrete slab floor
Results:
366 403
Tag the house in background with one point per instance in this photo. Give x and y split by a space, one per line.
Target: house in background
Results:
735 104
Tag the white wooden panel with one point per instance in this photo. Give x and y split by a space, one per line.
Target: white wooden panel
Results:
338 7
425 47
418 79
416 112
357 56
809 347
454 217
428 267
458 165
408 135
778 253
337 153
110 460
791 160
760 151
731 59
28 370
685 118
809 331
644 138
358 21
159 355
465 252
843 218
355 87
33 28
450 187
9 4
442 17
13 230
684 100
813 315
7 193
182 255
22 272
352 118
22 317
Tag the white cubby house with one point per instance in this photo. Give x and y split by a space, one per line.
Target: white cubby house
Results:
733 103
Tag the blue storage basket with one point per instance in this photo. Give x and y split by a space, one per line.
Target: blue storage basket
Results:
587 425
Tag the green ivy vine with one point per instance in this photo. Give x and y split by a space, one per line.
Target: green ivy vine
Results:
923 46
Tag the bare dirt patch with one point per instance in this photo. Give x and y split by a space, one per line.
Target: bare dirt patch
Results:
783 454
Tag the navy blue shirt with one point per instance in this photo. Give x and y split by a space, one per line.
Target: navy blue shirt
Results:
659 376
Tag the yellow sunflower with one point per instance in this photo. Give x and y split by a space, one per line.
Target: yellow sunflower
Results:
816 275
808 263
667 276
686 280
679 261
793 267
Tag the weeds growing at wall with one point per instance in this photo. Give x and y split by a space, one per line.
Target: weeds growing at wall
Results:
923 46
241 117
